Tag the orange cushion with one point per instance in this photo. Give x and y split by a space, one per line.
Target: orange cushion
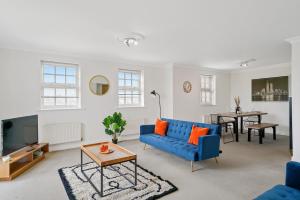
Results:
161 127
196 133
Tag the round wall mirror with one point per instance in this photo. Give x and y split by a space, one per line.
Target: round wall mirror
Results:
99 85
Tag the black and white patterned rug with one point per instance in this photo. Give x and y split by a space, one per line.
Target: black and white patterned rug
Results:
149 185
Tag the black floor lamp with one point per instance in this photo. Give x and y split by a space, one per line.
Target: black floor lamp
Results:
154 93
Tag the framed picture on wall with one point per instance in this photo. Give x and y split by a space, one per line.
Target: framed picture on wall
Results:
270 89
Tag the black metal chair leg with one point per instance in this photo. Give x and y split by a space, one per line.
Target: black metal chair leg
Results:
249 134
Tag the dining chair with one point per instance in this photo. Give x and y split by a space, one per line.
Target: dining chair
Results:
226 124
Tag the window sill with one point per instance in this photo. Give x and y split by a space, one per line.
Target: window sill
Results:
124 107
208 104
59 109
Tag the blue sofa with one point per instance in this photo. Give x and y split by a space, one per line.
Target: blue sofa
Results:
291 189
177 136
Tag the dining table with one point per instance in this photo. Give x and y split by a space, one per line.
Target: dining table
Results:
240 115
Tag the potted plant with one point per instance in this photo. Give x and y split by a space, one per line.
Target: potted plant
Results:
114 126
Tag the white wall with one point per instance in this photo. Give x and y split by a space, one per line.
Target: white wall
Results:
278 112
20 77
296 96
187 105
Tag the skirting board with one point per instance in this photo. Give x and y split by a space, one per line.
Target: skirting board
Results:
73 145
64 146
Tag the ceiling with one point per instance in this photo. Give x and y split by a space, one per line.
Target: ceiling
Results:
207 33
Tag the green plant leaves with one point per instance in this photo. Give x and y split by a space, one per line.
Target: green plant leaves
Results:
114 123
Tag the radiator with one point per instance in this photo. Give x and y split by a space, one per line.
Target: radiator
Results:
62 133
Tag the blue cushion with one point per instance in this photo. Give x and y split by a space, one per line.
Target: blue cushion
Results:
182 129
172 145
179 129
280 192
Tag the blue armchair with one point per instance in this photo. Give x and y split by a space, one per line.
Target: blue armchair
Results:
291 189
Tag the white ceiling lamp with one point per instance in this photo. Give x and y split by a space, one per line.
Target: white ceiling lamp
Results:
246 62
131 39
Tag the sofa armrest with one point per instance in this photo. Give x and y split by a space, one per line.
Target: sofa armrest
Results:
292 178
209 146
146 129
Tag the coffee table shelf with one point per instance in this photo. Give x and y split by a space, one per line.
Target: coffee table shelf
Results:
119 155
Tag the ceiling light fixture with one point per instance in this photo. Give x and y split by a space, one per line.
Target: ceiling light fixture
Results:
129 42
246 62
131 39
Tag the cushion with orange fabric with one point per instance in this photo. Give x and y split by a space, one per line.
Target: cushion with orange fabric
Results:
161 127
196 133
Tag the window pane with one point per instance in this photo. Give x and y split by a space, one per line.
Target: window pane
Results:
207 97
48 69
121 92
135 92
127 75
202 83
49 78
121 75
128 83
135 76
121 100
71 80
71 101
71 92
60 92
60 101
60 79
128 92
207 83
71 71
135 83
48 101
128 100
135 99
49 92
121 83
60 70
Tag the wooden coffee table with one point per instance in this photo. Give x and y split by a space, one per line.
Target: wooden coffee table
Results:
119 155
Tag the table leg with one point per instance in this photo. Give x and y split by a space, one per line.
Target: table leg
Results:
81 160
260 135
274 133
263 133
236 129
249 134
259 119
135 171
101 180
242 125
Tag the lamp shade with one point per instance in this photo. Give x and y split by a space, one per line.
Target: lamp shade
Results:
153 93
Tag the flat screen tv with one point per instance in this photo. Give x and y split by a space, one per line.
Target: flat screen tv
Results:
18 133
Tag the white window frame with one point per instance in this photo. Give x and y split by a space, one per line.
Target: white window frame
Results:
208 90
139 89
60 85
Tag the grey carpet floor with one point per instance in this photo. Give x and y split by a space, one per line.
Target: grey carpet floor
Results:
244 171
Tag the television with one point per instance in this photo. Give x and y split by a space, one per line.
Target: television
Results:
18 133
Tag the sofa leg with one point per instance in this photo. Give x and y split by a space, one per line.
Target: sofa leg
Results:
145 146
192 167
216 159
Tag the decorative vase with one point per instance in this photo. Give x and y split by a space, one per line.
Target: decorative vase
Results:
237 109
114 139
